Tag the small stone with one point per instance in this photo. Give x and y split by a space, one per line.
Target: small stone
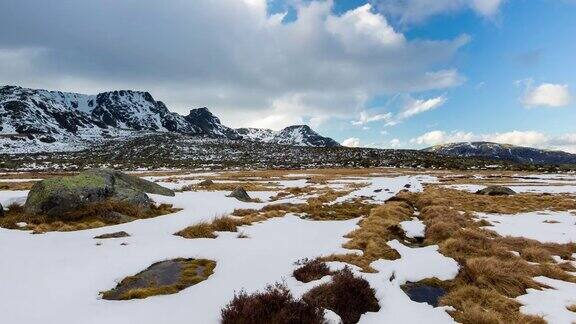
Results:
112 235
206 183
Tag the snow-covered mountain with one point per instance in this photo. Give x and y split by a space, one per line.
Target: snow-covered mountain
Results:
297 135
519 154
39 120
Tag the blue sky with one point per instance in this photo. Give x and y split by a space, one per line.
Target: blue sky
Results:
526 40
379 73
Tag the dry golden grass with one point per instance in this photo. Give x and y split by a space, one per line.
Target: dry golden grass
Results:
466 201
86 217
381 226
200 230
477 305
490 275
206 230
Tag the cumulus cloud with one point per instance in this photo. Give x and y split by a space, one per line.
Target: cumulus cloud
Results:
565 142
546 95
351 142
229 55
414 11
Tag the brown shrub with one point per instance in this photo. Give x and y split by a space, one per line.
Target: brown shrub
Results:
311 270
346 295
274 305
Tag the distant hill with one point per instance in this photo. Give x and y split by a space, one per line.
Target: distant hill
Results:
505 152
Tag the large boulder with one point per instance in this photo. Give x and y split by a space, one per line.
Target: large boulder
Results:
496 191
55 196
240 194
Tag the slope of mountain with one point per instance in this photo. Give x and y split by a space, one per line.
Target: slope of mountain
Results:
519 154
297 135
39 120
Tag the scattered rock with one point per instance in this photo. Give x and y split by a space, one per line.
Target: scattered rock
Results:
56 196
162 278
407 185
1 211
378 190
124 243
206 183
422 293
240 194
112 235
496 191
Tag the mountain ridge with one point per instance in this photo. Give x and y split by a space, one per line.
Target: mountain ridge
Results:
506 152
40 120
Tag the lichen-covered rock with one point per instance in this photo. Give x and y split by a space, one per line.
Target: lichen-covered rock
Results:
240 194
496 191
56 196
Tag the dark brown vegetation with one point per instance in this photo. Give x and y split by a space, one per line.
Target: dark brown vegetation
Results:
311 270
275 305
89 216
162 278
347 295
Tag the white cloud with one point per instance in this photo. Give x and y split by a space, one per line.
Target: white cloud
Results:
351 142
410 108
366 118
565 142
546 95
395 143
414 11
418 106
228 55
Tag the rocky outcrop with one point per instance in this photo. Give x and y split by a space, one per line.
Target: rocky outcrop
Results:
496 191
240 194
56 196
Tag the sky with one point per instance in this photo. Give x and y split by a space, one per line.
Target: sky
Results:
374 73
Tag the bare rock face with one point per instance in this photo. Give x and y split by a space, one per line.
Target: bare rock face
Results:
496 191
240 194
59 195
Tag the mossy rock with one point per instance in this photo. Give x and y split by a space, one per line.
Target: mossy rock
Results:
56 196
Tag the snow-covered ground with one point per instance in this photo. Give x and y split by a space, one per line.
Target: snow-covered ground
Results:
56 277
545 226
